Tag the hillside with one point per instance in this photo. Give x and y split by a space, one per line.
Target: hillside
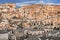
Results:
30 16
37 13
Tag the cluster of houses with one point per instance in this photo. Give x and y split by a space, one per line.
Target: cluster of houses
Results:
36 15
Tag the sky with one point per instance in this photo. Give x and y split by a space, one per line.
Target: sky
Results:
27 2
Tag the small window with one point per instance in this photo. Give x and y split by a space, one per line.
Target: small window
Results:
14 17
51 24
56 28
34 23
